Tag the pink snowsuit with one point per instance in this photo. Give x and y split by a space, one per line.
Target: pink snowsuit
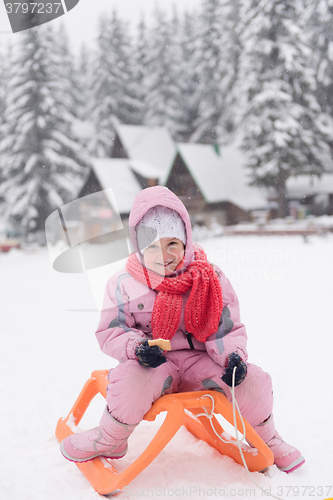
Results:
191 365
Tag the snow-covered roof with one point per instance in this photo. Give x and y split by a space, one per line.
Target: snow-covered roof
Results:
236 176
305 185
116 173
221 177
145 169
205 168
152 145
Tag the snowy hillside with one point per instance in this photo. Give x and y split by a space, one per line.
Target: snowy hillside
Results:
48 350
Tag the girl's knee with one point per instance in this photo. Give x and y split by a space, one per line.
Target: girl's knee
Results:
255 395
133 389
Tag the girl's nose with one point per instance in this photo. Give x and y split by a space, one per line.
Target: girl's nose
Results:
166 255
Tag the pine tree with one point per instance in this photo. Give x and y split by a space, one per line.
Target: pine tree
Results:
98 109
183 78
215 69
42 165
112 88
318 27
5 65
139 63
163 69
188 106
231 118
83 77
68 71
4 74
285 132
2 87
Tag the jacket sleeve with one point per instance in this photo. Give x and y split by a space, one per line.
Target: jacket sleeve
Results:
116 332
231 334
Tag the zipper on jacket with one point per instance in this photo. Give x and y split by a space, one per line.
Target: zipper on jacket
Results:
189 340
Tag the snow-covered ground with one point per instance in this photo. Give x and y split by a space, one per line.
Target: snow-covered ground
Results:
48 350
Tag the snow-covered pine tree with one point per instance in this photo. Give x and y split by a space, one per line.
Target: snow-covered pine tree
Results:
285 132
42 165
2 85
5 66
98 111
230 118
112 91
164 68
183 75
188 107
318 27
215 68
69 71
139 64
4 73
82 81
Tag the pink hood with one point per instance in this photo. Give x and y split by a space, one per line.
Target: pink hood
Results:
149 198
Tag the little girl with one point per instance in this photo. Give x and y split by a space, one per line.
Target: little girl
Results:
169 290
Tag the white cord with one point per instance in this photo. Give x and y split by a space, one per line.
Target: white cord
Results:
211 415
234 406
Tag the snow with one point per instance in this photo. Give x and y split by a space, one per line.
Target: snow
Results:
48 350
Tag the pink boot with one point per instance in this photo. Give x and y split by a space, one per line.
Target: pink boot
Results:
286 457
108 440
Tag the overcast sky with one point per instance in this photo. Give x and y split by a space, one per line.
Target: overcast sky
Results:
82 21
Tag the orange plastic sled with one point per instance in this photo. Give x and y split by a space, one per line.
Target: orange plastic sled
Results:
104 477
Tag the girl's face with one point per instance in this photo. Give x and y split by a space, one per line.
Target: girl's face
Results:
164 255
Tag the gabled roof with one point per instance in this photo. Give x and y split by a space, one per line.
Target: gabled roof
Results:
151 145
221 178
236 175
306 185
116 173
145 169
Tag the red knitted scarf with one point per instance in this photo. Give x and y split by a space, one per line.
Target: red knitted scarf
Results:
204 305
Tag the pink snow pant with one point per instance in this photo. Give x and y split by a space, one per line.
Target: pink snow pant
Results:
133 388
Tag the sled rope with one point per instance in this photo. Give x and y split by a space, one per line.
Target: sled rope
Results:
239 441
211 415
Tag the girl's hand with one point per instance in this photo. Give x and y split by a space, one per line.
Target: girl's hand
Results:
150 356
234 360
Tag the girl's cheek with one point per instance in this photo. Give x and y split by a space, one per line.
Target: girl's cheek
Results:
180 254
174 252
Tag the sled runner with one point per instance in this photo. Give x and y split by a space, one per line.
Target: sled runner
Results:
181 409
